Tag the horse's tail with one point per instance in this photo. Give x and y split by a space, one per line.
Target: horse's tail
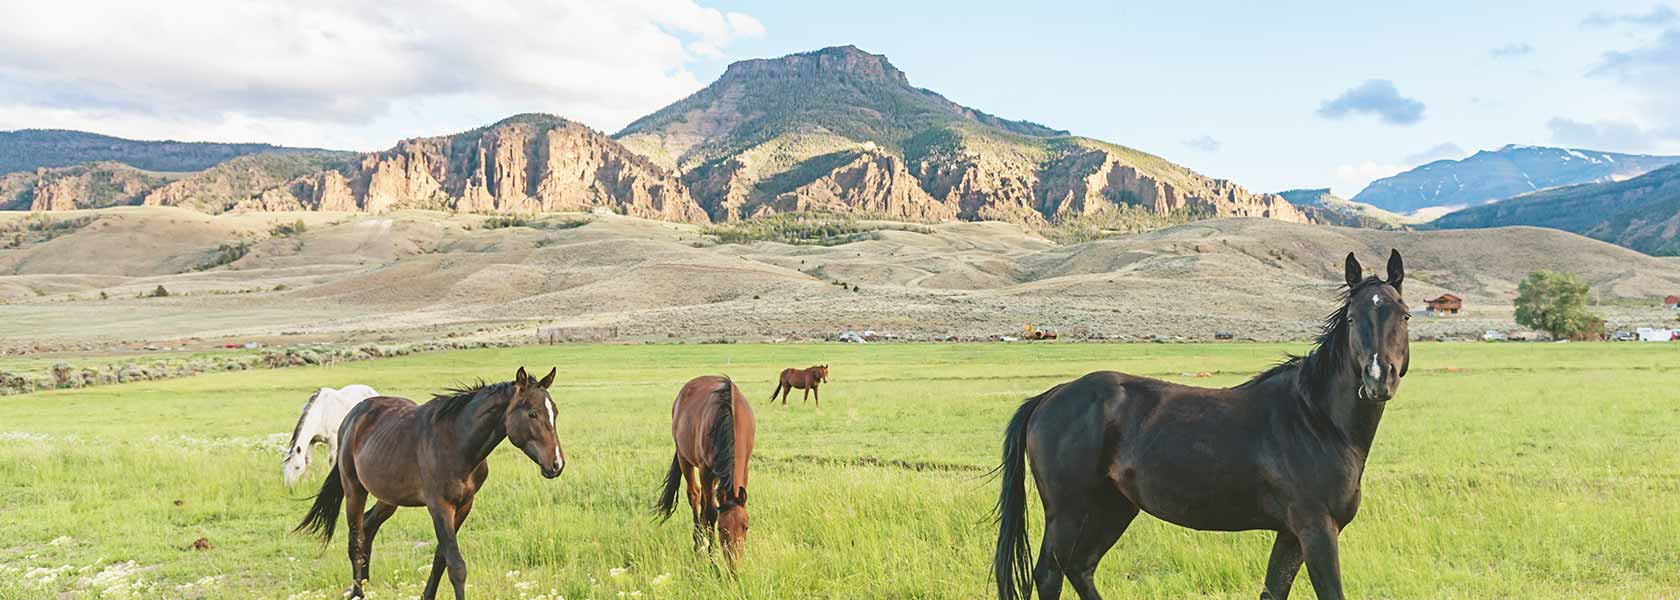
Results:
668 496
323 515
1013 562
779 384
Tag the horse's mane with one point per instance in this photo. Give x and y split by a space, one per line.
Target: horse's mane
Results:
723 442
297 430
1328 352
452 400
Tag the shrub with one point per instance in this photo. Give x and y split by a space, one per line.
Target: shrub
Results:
289 229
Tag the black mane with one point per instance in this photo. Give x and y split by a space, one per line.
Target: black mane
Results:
452 400
1329 350
723 443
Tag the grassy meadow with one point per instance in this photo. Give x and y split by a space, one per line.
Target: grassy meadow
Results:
1501 471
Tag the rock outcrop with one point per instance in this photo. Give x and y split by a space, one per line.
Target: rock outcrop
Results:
866 182
528 163
93 185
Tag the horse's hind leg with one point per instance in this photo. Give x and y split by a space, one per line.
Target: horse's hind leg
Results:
1075 540
371 521
355 497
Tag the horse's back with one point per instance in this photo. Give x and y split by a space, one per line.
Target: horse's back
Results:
356 392
694 413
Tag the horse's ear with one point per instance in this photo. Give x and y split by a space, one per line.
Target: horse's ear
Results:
741 496
548 379
521 377
1396 269
1354 273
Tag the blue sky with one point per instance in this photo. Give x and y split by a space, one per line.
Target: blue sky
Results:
1269 95
1252 76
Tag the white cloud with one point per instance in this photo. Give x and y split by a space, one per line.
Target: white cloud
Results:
354 74
1350 179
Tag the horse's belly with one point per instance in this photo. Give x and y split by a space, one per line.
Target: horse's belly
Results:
1212 500
390 480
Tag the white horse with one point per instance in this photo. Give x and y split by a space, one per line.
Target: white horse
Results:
319 422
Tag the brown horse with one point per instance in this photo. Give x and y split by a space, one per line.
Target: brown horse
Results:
1282 452
433 456
804 379
712 425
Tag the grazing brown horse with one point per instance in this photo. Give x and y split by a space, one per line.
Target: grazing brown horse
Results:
804 379
712 425
1283 452
431 455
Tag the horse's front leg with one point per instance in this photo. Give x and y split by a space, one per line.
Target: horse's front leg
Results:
1283 566
1318 543
708 509
448 554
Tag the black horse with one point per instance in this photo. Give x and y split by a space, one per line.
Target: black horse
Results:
1282 452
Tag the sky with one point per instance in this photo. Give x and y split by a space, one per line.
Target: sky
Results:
1270 95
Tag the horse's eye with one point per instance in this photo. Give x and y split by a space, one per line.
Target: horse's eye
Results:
533 414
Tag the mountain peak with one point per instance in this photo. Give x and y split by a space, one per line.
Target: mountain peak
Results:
1510 170
845 60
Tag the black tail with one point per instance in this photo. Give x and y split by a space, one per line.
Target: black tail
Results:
323 516
1013 562
668 497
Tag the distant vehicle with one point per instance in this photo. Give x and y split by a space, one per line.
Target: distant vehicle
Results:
1494 336
1648 334
1625 336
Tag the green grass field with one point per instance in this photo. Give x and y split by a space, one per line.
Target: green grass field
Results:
1501 471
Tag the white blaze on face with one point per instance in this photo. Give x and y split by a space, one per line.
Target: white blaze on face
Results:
558 462
1376 367
1375 300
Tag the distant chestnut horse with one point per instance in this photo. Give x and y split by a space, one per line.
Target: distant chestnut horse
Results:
712 426
433 456
1282 452
805 379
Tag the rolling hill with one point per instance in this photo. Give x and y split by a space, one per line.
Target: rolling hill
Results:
1324 207
1494 174
81 279
1642 213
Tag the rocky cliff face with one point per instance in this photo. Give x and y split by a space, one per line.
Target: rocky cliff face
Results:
528 163
238 181
866 182
93 185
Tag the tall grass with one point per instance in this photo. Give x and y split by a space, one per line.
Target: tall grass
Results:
1501 471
